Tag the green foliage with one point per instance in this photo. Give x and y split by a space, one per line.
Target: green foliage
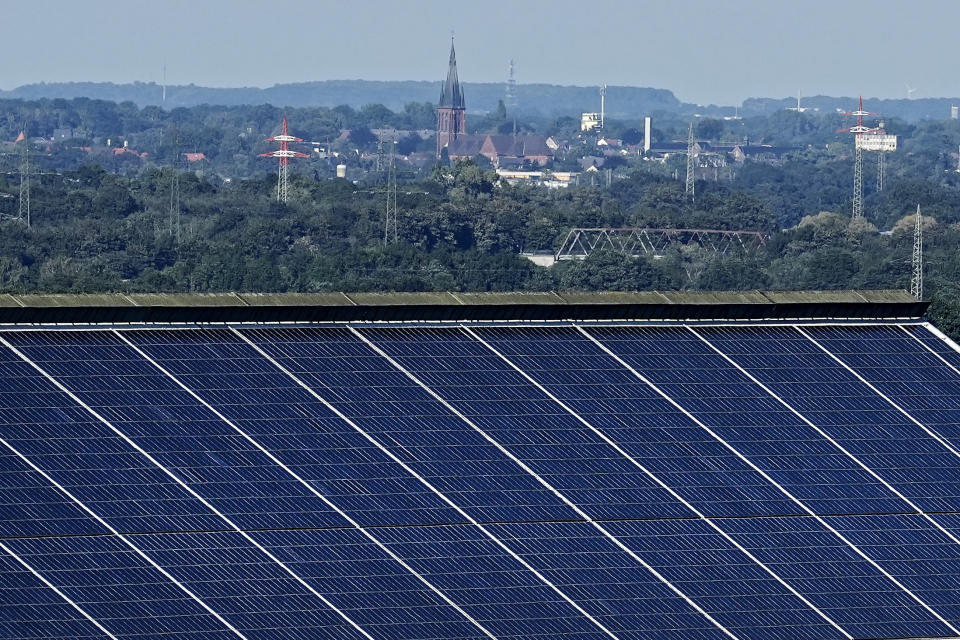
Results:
101 222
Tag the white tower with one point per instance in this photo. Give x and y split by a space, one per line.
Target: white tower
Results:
603 100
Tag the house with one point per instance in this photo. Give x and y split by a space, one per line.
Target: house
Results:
502 149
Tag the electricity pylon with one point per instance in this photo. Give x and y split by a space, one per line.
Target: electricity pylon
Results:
691 167
24 209
390 219
916 282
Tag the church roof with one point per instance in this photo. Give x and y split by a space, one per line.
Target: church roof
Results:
451 96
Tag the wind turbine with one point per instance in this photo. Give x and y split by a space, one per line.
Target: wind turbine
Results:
910 91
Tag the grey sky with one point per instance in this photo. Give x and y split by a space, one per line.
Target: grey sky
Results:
705 51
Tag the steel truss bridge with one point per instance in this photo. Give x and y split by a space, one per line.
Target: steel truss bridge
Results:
581 242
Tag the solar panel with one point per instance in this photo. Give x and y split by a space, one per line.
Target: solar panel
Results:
537 481
677 362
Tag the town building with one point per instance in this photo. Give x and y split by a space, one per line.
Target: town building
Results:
501 150
451 110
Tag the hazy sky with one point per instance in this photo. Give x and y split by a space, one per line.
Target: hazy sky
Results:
704 51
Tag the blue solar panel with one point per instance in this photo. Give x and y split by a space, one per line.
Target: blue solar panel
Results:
926 336
29 609
575 369
648 427
750 419
694 558
182 434
581 562
31 506
864 423
523 420
924 559
493 509
904 370
413 425
298 429
112 584
854 595
94 464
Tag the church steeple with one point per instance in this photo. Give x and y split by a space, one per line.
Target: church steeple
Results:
451 96
451 110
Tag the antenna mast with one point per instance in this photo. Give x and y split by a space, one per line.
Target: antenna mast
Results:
603 101
511 92
691 167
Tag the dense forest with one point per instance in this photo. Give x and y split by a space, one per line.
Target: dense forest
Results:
104 226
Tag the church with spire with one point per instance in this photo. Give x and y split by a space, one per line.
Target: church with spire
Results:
451 110
501 150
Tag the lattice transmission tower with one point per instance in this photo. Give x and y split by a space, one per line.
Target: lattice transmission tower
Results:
284 153
916 282
23 212
390 217
881 162
858 131
380 164
173 211
691 166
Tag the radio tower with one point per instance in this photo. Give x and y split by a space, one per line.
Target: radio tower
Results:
916 282
283 154
858 132
603 103
510 97
691 168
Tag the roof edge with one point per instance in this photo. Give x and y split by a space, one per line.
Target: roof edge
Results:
448 306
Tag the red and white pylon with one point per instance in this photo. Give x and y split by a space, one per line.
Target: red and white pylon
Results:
858 131
284 153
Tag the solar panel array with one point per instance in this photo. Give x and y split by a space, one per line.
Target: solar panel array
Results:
536 481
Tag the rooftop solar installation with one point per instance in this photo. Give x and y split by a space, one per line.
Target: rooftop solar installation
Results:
588 479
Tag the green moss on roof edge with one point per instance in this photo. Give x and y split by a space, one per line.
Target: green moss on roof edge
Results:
338 299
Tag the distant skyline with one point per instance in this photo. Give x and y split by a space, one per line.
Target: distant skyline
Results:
704 51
